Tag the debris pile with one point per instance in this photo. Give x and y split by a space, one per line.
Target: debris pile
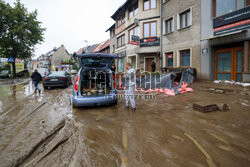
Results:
166 83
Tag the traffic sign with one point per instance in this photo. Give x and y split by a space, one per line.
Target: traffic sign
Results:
11 60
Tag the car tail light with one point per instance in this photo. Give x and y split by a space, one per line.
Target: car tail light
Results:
76 83
45 79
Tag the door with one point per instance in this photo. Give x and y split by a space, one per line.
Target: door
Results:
229 64
148 62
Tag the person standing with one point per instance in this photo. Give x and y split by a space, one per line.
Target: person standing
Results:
153 66
130 82
36 78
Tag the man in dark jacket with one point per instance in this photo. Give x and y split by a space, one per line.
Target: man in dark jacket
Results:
36 78
153 66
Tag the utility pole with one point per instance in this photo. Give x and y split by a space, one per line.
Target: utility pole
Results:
161 47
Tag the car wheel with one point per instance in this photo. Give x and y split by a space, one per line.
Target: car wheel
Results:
46 87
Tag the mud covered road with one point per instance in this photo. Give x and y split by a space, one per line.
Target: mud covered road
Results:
44 131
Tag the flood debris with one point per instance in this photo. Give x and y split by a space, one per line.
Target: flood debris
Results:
211 107
205 109
166 83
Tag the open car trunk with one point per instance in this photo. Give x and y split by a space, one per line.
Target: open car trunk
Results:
96 82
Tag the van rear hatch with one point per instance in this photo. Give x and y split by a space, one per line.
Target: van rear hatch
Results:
96 60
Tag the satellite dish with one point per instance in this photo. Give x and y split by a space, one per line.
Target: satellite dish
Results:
136 21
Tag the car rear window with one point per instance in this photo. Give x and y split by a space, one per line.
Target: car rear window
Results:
101 60
54 74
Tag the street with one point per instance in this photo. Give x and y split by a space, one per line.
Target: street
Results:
44 130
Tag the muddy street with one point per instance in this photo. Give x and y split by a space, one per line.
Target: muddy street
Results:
43 130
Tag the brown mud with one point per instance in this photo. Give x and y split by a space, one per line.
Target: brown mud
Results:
43 130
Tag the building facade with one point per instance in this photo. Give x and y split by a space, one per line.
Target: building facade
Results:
225 39
136 34
181 34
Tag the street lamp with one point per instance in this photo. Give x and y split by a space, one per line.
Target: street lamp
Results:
86 42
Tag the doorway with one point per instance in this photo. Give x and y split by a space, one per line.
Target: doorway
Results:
148 62
229 64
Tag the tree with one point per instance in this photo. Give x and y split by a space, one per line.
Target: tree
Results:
20 31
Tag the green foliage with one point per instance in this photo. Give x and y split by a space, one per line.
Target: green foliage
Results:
20 31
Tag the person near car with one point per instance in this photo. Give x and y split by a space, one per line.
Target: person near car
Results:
153 66
36 78
113 68
130 82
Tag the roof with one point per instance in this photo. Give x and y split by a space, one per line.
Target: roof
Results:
105 45
111 28
98 47
98 55
117 12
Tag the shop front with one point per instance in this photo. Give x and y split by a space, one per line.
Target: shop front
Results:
229 63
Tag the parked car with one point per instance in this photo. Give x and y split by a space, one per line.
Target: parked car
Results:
5 74
57 79
94 84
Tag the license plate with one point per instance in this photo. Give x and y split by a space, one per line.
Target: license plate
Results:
53 79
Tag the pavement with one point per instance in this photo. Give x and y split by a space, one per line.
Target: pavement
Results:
43 130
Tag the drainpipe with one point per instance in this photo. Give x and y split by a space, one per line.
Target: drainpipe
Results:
161 19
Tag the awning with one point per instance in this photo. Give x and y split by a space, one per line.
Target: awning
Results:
224 35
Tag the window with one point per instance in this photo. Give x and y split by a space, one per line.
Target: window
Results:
169 59
149 4
133 11
185 58
149 29
222 7
121 41
185 19
120 21
121 65
134 31
169 25
247 2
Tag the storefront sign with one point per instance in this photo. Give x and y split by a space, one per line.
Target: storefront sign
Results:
121 54
233 21
241 25
149 42
135 40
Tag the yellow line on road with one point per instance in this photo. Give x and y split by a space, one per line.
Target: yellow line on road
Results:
124 138
209 159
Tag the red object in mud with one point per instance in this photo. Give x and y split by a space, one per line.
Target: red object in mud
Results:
76 83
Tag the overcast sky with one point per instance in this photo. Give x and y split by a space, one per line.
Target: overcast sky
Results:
71 22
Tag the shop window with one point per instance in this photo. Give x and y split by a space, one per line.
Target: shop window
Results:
170 59
121 41
149 29
222 7
149 4
185 19
185 58
121 65
133 10
169 25
134 31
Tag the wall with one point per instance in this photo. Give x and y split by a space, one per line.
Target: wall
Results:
59 56
187 38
